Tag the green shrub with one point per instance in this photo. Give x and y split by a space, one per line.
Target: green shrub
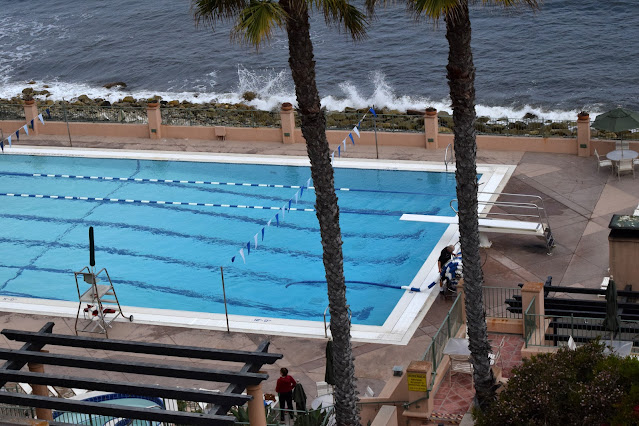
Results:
578 387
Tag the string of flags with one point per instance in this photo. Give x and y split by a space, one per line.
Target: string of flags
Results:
245 250
342 147
277 218
24 128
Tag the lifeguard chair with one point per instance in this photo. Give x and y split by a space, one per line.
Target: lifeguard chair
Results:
101 304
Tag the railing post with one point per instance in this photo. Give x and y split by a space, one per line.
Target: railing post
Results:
287 117
431 128
533 291
31 113
583 135
256 412
154 118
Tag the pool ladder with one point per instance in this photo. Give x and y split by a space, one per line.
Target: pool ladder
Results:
449 148
328 324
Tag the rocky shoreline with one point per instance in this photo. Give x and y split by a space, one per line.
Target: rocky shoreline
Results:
131 110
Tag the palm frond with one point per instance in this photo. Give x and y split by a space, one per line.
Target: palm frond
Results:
257 21
348 17
533 4
434 9
208 12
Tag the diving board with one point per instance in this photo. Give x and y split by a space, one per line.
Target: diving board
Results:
504 226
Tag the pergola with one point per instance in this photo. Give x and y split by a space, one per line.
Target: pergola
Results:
246 378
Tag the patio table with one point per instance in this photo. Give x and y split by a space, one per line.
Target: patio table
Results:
619 347
622 154
457 346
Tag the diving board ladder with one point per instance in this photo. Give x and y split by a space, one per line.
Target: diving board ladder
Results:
502 218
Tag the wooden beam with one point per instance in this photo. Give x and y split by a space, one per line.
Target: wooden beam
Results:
17 364
117 411
183 371
142 347
124 387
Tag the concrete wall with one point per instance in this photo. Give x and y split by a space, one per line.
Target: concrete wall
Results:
429 139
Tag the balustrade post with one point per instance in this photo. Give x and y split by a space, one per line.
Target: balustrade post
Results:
431 128
583 135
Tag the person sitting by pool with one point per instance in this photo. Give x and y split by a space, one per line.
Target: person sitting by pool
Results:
446 254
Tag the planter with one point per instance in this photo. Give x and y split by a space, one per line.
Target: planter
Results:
583 117
431 111
287 106
29 102
153 104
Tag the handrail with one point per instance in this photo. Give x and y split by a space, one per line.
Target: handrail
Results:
350 316
538 216
452 159
529 196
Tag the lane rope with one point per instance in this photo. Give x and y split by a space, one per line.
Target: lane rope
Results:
132 201
203 182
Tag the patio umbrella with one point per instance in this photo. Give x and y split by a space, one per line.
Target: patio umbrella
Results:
329 376
299 396
612 321
617 120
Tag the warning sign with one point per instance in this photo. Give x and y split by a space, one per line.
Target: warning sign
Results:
417 382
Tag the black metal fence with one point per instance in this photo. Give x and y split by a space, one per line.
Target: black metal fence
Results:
219 117
11 112
95 114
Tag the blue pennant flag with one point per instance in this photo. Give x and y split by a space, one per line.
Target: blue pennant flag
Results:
277 219
373 112
48 113
339 151
262 234
2 145
301 191
18 134
350 135
289 204
233 259
33 128
248 248
9 139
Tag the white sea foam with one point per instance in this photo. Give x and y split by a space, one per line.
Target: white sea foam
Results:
273 88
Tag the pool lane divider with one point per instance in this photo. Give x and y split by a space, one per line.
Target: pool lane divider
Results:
127 200
203 182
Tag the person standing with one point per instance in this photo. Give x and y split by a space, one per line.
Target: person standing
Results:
284 387
446 254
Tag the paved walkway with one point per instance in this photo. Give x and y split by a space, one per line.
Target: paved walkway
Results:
579 199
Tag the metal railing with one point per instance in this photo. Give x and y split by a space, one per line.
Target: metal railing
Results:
219 117
11 112
530 322
95 114
557 329
495 301
447 153
449 328
383 122
530 127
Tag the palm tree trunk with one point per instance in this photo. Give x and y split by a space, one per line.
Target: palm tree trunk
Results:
461 80
314 131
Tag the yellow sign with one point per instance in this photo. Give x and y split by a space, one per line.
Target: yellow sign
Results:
417 382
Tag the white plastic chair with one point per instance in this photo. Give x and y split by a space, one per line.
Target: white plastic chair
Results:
460 364
635 162
602 163
624 166
622 144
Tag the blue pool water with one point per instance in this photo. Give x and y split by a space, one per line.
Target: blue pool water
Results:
169 256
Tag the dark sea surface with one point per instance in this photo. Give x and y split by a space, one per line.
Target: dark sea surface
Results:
566 57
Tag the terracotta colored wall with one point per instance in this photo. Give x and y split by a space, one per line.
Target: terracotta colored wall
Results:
257 134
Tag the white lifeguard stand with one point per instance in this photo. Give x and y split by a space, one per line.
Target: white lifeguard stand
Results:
101 303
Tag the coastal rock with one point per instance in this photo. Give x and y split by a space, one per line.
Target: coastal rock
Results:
129 99
28 91
117 84
32 82
84 99
415 112
249 96
105 103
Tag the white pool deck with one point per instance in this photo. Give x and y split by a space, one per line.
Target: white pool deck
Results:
398 327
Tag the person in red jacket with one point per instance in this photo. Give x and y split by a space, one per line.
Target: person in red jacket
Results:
284 387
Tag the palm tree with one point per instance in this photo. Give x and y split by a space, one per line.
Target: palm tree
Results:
255 21
461 80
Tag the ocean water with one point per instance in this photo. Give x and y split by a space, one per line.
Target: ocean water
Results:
168 255
554 62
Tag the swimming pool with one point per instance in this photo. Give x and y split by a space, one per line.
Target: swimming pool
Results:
168 256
